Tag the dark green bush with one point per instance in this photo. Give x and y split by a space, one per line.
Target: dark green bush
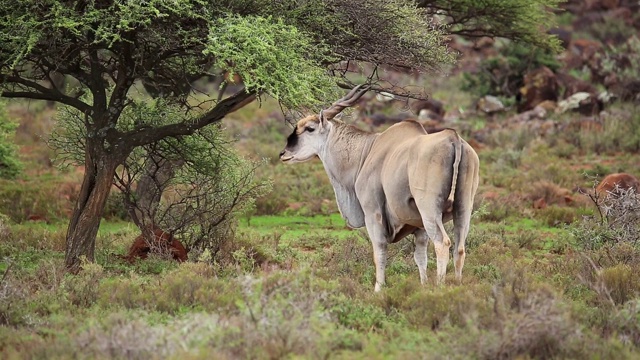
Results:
10 165
502 75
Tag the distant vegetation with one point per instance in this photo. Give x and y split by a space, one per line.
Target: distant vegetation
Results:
551 268
9 164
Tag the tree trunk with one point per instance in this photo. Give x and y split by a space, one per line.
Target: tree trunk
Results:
142 206
100 169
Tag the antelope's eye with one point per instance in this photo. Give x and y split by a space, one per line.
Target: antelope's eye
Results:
310 129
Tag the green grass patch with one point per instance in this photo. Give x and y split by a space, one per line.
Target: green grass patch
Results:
291 228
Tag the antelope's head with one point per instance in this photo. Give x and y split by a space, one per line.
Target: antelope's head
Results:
311 133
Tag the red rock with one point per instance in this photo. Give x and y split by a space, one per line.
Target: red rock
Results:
160 240
612 183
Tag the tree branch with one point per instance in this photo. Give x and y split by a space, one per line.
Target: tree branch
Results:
97 82
398 91
123 79
148 135
40 93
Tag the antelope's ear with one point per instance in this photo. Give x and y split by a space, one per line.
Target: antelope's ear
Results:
323 120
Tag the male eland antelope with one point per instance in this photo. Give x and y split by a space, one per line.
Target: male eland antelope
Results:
399 182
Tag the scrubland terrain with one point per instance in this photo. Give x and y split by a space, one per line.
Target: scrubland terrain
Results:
547 275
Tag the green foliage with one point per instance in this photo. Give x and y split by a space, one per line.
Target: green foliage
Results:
278 48
502 75
621 283
282 61
115 208
626 323
497 211
10 166
354 315
621 63
622 59
557 216
519 20
154 265
612 30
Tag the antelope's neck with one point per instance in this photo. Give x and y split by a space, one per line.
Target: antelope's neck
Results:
344 153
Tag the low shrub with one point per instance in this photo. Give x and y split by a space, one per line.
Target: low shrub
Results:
622 282
551 193
187 287
501 208
436 308
557 216
82 290
358 315
36 238
37 198
625 323
538 327
618 221
12 299
350 259
620 133
115 207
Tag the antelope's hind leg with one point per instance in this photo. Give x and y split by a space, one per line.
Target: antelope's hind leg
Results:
420 253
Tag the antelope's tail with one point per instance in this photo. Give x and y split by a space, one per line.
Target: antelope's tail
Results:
456 164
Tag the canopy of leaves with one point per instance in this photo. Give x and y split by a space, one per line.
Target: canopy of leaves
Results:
279 47
520 20
269 58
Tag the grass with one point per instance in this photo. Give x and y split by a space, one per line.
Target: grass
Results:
293 227
516 299
107 227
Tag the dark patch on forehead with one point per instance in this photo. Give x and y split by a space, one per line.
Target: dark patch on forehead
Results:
292 140
305 121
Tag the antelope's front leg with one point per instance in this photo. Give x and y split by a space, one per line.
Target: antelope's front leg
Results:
379 241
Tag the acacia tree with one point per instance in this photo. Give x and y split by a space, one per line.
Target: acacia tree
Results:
205 182
281 48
